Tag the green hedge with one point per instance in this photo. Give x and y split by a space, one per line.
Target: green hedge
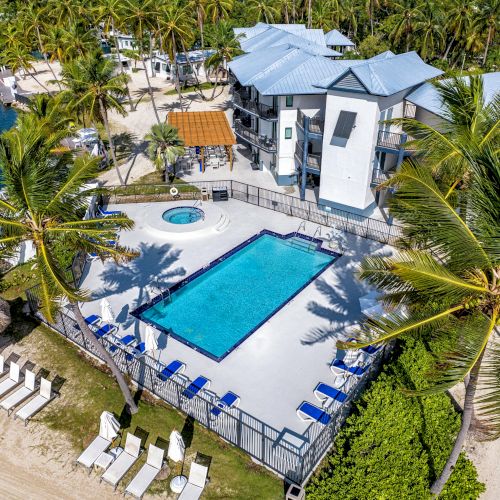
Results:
393 446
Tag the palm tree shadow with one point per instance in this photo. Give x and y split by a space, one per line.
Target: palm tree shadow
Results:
341 308
155 263
125 145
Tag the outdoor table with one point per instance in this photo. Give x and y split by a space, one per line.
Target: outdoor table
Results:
177 484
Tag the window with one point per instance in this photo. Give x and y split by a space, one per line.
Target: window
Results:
289 101
288 132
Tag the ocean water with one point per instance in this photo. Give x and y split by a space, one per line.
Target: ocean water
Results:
221 307
7 117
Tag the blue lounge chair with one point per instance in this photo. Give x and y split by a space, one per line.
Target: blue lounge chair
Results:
105 330
108 213
229 400
338 366
311 413
369 349
196 386
124 341
92 320
172 369
325 392
137 351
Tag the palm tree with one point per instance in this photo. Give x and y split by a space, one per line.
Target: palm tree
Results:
322 16
225 43
263 10
488 17
199 7
164 147
51 112
44 202
371 6
56 44
460 15
176 25
141 16
92 84
19 58
469 122
430 32
404 18
32 20
218 9
447 285
109 13
79 41
349 14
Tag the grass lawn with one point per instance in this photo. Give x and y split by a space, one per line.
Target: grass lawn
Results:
192 88
87 391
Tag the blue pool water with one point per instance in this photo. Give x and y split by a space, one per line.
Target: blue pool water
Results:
183 215
8 117
219 308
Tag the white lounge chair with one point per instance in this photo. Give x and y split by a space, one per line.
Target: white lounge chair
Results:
100 444
32 407
14 379
124 462
148 472
22 394
196 482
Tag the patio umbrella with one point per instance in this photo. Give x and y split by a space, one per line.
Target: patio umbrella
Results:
370 306
106 312
150 342
95 150
176 447
109 426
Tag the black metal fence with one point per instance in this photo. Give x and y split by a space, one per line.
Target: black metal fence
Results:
261 441
360 225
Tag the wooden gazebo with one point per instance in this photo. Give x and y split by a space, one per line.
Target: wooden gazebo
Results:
202 129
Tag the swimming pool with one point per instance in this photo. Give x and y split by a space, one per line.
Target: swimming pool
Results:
183 215
218 307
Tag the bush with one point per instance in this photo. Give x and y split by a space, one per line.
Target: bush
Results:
393 446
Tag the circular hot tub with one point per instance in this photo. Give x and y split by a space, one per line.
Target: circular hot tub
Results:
183 215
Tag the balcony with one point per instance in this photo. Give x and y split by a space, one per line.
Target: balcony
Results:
316 124
392 140
313 164
242 101
251 136
380 176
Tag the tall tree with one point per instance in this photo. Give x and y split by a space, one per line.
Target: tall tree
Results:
446 284
44 203
92 84
164 147
140 16
371 6
218 9
199 7
263 10
405 18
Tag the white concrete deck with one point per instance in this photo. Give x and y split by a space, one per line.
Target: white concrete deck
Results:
277 367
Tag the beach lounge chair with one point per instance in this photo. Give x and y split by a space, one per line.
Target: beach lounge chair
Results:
99 445
196 386
369 349
325 392
338 367
196 482
311 413
117 342
105 329
124 462
32 407
4 368
148 472
14 379
17 397
229 400
93 321
175 367
108 213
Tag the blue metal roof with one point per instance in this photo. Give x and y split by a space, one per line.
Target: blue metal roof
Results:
267 35
335 38
389 75
427 97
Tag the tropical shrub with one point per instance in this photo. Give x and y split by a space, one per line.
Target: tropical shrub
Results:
394 445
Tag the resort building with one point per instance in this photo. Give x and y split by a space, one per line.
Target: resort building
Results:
337 41
188 66
317 121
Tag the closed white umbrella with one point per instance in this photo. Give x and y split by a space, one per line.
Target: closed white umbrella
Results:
150 342
176 447
95 150
109 426
106 311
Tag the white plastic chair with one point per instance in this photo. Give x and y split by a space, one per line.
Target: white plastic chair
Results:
14 379
30 409
23 393
148 472
196 482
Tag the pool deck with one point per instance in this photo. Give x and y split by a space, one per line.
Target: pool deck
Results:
279 365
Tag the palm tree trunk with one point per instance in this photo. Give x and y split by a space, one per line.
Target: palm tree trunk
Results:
132 108
149 84
42 50
215 84
37 81
105 356
197 84
104 115
153 72
470 392
445 56
309 13
177 71
486 47
287 20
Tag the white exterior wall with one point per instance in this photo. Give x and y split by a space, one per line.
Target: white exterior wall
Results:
424 116
347 165
125 43
311 105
